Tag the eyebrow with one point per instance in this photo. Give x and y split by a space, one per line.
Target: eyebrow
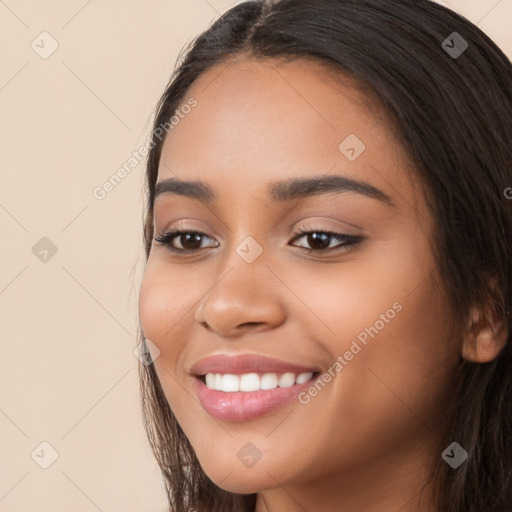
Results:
286 190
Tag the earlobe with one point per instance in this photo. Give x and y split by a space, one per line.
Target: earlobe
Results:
487 336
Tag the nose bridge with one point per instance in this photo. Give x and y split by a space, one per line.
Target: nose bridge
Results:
249 259
244 270
246 252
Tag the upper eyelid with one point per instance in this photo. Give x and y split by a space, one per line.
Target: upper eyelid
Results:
174 234
297 233
344 228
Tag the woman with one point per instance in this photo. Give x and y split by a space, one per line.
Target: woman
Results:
328 237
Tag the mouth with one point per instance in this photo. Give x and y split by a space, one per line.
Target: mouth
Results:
241 387
243 397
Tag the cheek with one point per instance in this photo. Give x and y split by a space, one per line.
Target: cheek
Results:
335 306
166 309
401 357
392 325
162 304
158 312
153 308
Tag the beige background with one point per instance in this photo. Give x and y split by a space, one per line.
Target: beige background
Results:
68 376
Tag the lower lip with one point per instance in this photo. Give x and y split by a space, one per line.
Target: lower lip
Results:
246 405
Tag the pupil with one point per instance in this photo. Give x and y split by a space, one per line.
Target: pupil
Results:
195 238
318 240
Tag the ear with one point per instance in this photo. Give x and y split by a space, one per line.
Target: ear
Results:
487 336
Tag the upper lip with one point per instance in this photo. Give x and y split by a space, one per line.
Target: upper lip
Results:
246 363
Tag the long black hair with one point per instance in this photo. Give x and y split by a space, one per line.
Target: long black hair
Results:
447 92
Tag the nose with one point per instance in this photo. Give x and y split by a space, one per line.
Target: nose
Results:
245 297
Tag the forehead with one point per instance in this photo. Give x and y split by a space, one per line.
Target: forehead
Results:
257 121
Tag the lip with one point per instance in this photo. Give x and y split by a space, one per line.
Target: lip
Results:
240 405
244 406
246 363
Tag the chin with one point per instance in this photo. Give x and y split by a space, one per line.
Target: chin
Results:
240 481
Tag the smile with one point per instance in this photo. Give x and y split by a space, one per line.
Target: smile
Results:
236 398
245 386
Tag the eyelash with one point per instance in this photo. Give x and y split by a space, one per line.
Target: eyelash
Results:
348 241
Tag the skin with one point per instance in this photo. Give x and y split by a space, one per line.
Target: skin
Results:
366 440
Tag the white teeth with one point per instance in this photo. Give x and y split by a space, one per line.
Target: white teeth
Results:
286 380
269 381
250 382
230 383
303 377
210 380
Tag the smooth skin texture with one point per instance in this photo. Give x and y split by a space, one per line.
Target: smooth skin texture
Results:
365 441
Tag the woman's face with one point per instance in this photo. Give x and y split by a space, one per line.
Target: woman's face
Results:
363 308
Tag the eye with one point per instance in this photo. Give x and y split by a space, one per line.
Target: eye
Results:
185 242
190 241
322 240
